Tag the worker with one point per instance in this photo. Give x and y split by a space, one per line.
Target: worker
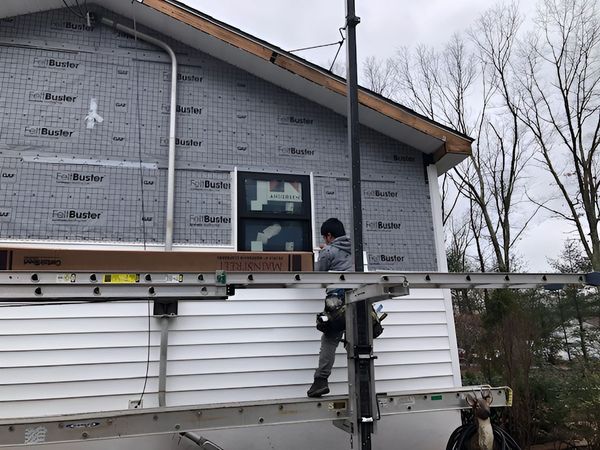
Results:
335 255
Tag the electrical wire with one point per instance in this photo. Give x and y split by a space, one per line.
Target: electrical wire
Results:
139 403
139 130
460 439
338 43
83 14
78 14
314 46
339 48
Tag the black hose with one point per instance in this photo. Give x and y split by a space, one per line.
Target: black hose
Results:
461 438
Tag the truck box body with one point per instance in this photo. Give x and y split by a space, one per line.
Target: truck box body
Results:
243 145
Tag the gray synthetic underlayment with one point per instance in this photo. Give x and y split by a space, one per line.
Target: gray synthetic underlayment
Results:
63 182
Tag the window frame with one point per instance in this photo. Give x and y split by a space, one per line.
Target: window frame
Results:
244 215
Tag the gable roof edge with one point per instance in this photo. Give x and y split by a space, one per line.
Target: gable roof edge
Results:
451 141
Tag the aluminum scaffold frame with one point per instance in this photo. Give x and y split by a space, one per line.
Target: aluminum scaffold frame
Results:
349 413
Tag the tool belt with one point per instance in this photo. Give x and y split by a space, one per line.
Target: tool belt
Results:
333 317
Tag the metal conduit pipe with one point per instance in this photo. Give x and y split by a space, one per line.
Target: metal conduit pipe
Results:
162 364
173 110
164 321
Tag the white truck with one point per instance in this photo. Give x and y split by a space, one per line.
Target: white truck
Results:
130 127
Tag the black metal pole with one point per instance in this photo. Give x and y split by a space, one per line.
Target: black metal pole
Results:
353 135
358 318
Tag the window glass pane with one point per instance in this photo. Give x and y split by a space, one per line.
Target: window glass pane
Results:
271 235
274 196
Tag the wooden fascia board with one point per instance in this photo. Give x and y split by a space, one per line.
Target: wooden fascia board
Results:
210 28
450 142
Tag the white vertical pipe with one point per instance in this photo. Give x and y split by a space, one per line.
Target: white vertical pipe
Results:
162 366
436 212
313 225
442 265
172 122
234 208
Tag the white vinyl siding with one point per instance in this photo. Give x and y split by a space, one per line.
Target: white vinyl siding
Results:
256 346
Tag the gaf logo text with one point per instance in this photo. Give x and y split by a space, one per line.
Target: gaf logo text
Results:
149 183
121 106
148 221
5 214
122 72
8 176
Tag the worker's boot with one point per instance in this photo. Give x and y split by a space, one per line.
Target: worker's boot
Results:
318 388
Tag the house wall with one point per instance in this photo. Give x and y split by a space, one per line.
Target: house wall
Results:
260 344
113 177
256 346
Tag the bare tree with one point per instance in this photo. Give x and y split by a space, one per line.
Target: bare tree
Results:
561 106
437 84
495 175
380 76
440 85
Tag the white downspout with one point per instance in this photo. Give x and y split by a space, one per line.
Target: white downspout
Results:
442 263
173 110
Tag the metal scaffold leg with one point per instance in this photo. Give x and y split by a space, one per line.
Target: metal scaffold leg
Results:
361 379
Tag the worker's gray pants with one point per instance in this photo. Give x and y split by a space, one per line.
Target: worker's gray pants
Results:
329 343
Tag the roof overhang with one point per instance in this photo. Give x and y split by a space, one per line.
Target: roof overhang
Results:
446 146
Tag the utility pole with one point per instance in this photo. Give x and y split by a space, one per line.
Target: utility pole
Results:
359 330
353 135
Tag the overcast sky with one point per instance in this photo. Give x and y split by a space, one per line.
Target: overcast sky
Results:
385 26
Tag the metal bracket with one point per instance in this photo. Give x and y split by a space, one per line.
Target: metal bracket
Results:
377 292
344 425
